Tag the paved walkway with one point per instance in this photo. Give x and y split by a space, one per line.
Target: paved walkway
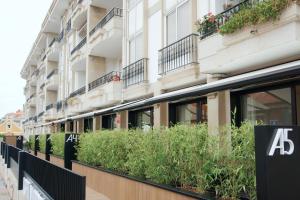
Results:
93 195
3 192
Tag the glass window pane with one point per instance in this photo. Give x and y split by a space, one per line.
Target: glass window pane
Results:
132 51
139 17
184 21
186 113
139 47
271 107
171 28
131 22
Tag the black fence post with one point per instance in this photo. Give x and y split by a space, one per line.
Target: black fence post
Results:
71 141
19 142
5 154
48 147
8 156
21 172
36 144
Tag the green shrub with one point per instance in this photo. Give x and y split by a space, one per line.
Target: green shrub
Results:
31 142
42 143
58 144
182 156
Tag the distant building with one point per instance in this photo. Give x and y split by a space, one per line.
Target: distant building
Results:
11 123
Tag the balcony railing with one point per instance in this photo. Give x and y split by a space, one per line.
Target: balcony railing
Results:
223 17
31 96
41 114
112 76
135 73
69 26
52 42
42 86
114 12
59 105
179 54
78 92
60 36
44 57
79 46
50 106
55 71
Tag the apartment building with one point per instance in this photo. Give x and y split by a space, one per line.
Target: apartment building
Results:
100 64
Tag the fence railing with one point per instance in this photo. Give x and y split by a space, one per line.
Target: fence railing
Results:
178 54
55 71
12 152
59 105
80 91
79 46
57 182
52 42
41 114
50 106
112 76
114 12
60 36
135 73
69 26
224 16
42 86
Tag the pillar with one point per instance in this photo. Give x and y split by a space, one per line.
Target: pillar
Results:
161 115
122 120
80 125
97 123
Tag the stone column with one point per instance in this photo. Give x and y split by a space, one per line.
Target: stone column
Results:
122 120
161 115
97 123
80 125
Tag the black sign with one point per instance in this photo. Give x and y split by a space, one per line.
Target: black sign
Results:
71 141
277 150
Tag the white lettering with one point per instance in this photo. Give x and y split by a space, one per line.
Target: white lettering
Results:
281 137
71 138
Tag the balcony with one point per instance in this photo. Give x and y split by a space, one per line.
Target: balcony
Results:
78 52
178 63
106 37
105 91
78 92
135 79
79 13
52 80
252 47
50 113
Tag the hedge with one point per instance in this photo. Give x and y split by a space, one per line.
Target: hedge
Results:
183 156
58 144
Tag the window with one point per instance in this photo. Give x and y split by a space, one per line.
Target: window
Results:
88 125
179 22
188 112
135 24
108 122
271 107
142 119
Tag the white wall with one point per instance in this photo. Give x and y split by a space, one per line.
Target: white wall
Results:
154 44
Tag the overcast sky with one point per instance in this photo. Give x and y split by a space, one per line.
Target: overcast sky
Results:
20 22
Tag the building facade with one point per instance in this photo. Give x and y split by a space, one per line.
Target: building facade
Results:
100 64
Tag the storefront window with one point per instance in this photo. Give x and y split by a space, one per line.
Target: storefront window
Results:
108 122
271 107
142 119
188 113
88 125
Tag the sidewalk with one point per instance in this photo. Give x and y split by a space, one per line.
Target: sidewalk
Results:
3 191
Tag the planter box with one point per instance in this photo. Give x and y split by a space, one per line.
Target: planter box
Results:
41 155
119 187
57 161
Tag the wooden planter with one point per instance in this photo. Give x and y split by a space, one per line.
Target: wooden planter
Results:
122 187
41 155
57 161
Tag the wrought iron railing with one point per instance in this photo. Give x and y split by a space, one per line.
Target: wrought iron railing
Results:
50 106
79 45
52 42
60 36
55 71
31 96
224 16
78 92
114 12
69 26
42 86
44 57
59 105
135 73
178 54
41 114
112 76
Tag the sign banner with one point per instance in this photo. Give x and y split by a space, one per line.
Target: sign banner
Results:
277 152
